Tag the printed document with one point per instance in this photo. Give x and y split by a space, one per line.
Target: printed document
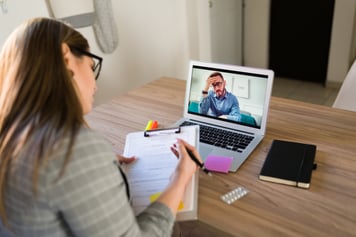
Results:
149 175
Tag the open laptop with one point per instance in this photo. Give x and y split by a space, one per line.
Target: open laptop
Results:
252 87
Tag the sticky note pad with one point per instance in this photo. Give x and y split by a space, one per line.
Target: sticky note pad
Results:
218 163
154 196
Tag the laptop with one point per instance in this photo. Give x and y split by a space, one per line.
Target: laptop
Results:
234 136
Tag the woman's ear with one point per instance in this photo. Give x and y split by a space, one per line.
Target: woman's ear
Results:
66 53
69 58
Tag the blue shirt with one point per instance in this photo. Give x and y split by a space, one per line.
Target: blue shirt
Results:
226 105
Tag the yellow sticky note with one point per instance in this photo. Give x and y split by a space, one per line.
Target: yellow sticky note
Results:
154 197
181 205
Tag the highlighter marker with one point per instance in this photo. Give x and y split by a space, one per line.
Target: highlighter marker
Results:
149 125
154 124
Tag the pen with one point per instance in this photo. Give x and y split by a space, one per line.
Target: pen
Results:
195 159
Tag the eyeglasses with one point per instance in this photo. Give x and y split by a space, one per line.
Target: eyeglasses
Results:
97 61
217 84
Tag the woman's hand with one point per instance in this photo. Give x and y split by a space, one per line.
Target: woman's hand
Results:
125 160
182 175
186 165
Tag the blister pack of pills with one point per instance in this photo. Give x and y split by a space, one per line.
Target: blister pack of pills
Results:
234 195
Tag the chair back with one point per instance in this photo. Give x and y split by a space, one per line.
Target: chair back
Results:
346 98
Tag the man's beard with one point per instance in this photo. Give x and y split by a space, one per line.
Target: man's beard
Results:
220 93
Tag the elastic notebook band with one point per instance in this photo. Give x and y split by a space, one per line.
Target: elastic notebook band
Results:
300 167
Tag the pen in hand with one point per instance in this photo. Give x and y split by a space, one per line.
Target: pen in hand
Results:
195 159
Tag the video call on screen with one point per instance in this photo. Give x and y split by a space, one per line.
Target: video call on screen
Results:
249 88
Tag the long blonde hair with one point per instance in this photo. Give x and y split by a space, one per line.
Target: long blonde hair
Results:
39 105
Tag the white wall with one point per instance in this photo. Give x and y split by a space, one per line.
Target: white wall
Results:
17 11
157 38
198 20
153 41
341 47
256 34
226 31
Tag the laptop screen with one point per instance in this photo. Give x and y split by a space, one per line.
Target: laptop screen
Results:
228 93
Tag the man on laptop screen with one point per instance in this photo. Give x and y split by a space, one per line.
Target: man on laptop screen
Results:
230 104
218 101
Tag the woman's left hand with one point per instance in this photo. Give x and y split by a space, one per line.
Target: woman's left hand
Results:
125 160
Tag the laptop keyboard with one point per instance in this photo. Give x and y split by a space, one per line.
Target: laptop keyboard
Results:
222 138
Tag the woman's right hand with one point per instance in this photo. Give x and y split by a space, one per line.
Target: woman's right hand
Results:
186 166
180 178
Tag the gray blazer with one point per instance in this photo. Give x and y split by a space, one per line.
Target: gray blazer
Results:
89 200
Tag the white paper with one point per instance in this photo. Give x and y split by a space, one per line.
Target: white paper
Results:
150 174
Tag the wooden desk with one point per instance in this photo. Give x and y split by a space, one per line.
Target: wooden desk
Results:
328 208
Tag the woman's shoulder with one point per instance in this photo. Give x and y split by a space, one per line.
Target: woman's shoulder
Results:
87 137
90 152
88 141
86 132
88 146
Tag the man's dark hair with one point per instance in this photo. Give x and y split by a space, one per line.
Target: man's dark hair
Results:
215 74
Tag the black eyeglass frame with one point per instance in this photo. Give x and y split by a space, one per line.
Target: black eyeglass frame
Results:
100 59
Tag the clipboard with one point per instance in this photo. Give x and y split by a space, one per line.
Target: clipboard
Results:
149 175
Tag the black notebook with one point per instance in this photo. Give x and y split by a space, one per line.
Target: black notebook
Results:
289 163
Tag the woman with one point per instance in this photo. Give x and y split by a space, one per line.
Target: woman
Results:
57 177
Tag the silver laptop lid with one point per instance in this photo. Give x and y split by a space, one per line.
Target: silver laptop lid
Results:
251 86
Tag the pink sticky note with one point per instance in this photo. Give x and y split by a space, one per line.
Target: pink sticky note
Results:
218 163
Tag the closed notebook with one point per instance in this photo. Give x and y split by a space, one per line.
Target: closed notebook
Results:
289 163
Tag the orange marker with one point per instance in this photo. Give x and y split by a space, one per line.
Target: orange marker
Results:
154 124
